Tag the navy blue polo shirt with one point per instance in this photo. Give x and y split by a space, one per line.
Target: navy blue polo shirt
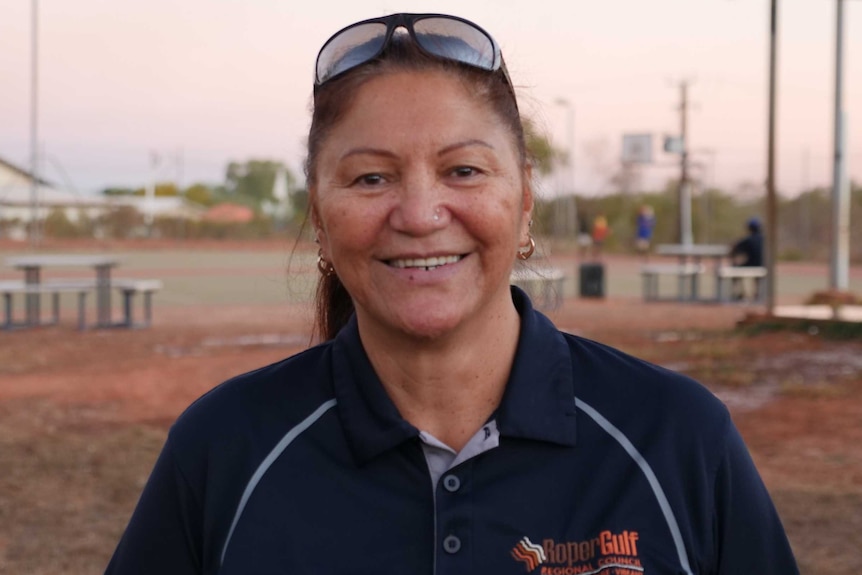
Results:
600 463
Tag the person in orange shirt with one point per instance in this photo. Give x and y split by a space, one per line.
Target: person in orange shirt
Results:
601 231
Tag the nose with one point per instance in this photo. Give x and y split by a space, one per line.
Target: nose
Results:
420 209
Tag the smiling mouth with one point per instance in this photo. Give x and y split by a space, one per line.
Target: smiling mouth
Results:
426 264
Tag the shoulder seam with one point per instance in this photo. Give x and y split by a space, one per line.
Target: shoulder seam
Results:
646 469
264 466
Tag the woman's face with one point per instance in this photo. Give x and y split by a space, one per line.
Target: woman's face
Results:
421 204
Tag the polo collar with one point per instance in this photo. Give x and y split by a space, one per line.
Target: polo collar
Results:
538 402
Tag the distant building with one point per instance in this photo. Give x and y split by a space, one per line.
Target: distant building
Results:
229 213
176 207
17 207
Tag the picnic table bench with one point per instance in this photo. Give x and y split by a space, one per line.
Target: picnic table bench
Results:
128 287
33 266
686 274
54 288
728 274
131 288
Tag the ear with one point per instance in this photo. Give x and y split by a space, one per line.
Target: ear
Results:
314 216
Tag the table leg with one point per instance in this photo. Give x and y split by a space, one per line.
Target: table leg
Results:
32 300
103 296
695 280
716 268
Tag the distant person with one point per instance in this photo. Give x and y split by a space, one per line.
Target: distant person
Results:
645 225
748 252
601 231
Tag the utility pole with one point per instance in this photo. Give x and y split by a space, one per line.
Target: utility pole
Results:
35 231
684 192
806 207
150 193
838 277
771 204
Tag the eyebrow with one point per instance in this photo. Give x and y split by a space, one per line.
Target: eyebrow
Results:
464 144
388 154
369 151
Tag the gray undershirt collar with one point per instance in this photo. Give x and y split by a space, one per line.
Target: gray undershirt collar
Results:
441 458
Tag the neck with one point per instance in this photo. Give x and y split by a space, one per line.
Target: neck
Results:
449 386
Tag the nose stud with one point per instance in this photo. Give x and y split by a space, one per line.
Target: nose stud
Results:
437 215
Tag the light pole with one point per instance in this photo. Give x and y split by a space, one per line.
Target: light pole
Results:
150 193
571 212
684 194
35 232
771 202
838 277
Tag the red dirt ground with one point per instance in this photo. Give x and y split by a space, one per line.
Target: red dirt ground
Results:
83 416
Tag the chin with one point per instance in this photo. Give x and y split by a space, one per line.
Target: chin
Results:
427 331
428 328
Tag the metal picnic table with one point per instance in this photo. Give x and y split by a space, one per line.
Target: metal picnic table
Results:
32 266
694 253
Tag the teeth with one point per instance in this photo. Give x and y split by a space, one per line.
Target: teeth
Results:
427 263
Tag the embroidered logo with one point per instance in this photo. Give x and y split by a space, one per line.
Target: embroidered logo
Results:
529 553
608 554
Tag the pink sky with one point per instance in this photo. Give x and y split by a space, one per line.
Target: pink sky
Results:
219 80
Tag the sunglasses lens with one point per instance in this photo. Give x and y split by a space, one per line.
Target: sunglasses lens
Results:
456 40
350 48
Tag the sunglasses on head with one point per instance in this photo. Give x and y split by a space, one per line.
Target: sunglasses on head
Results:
447 37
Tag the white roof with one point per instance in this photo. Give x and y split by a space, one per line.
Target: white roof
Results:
175 206
16 194
16 190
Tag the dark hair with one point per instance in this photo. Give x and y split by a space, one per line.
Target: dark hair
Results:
332 100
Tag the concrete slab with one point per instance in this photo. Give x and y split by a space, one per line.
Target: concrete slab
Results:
844 313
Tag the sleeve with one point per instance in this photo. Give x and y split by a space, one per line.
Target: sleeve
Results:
164 533
749 534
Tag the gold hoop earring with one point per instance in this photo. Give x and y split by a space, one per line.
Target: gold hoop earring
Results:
524 252
324 267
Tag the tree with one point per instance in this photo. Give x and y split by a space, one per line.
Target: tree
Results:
254 180
121 222
58 225
118 192
162 189
200 194
544 155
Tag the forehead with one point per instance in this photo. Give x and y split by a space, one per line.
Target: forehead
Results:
408 105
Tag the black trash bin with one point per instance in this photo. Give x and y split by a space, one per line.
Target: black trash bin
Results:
591 278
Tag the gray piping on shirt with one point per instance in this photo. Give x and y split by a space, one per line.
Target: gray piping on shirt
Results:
651 478
268 461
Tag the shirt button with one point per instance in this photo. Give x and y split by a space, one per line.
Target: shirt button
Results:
451 544
451 483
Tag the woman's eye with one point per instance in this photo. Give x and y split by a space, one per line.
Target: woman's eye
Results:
464 171
370 180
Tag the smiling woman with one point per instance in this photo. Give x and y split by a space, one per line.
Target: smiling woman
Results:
420 204
443 424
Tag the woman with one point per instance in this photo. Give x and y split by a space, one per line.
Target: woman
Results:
443 425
